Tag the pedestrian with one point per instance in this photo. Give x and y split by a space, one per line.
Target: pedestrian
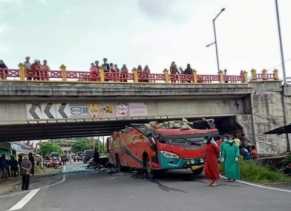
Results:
124 73
106 68
4 167
13 166
237 141
188 72
26 167
174 71
35 69
244 152
1 168
146 73
31 159
28 70
211 168
230 157
3 70
93 72
44 71
140 73
96 64
254 153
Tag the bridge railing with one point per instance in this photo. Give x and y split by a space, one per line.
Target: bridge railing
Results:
102 76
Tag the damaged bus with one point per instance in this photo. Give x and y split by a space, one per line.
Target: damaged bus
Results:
156 147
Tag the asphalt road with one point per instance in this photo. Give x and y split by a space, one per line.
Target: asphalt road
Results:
88 191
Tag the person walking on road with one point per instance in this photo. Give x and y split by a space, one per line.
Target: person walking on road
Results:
211 161
26 167
230 158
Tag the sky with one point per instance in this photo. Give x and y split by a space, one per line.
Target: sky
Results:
146 32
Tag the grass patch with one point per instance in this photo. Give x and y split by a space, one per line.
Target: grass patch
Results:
253 172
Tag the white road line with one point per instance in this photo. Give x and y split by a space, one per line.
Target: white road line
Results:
264 187
260 186
19 205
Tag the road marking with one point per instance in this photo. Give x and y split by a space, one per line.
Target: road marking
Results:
260 186
19 205
264 187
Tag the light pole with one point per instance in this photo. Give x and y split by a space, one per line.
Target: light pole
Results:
215 38
284 71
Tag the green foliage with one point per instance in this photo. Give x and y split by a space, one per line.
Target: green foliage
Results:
47 148
81 145
253 172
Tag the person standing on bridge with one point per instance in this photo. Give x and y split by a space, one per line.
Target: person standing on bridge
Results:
26 167
93 72
124 73
106 68
188 71
174 71
3 70
211 161
27 66
44 71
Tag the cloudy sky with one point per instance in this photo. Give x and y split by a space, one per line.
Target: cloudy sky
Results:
153 32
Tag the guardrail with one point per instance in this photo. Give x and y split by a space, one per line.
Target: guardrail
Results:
102 76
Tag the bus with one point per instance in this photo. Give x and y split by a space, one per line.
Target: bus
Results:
153 149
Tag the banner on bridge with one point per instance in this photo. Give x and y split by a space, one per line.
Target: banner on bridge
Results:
47 111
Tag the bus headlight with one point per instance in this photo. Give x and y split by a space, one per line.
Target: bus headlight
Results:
170 155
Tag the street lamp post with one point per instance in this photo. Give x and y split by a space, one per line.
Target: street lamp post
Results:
284 71
215 38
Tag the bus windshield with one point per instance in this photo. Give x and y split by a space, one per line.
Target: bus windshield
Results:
198 141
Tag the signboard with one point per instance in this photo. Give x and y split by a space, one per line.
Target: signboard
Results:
46 111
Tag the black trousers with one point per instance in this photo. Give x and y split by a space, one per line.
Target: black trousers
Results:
25 181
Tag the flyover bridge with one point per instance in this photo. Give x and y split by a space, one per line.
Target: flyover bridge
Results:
36 110
68 104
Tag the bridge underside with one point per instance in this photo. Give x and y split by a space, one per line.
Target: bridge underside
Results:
11 133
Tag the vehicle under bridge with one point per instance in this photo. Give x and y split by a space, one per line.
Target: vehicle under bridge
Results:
63 129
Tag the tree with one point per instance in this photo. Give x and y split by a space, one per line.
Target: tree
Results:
80 146
47 148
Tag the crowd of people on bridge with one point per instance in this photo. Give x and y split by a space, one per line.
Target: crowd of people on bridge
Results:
38 70
23 166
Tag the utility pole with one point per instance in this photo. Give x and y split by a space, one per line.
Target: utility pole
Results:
284 72
215 39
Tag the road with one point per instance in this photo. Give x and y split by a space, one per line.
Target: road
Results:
90 191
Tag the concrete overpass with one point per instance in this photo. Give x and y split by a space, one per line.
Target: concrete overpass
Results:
32 110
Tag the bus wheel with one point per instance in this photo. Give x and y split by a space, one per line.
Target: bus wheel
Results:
148 173
117 163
